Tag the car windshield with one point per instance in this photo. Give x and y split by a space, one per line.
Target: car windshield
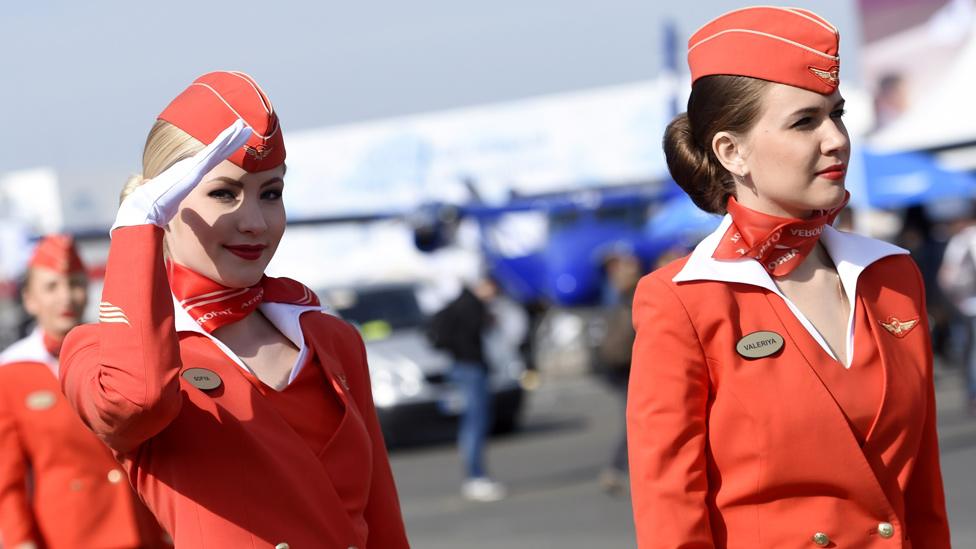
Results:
397 307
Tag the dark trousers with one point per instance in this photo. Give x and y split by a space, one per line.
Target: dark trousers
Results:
472 381
617 380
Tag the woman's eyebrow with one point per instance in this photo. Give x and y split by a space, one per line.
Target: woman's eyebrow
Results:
806 110
815 109
228 180
236 183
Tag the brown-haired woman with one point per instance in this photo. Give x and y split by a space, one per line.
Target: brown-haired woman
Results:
781 388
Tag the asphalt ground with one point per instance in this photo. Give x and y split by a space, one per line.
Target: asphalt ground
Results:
551 467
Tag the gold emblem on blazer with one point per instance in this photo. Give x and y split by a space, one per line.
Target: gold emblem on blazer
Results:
343 381
897 327
40 400
759 344
202 378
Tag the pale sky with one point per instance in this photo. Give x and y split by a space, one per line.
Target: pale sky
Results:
83 81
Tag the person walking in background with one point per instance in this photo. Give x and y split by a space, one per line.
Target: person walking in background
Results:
622 270
60 488
459 328
240 411
957 279
781 390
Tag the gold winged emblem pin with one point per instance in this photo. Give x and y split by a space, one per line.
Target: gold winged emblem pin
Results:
897 327
258 153
831 75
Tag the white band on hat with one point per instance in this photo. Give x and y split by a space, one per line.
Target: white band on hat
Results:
794 11
233 110
767 35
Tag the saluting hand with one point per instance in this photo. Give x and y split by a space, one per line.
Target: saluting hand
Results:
157 200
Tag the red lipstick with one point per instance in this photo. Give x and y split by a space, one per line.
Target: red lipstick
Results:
835 172
245 251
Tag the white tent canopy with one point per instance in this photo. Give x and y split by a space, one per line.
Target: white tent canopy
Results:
558 142
942 118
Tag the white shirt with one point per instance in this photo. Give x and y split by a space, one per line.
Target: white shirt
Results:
30 349
957 270
284 316
851 253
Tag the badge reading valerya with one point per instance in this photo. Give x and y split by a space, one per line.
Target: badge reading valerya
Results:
759 344
202 378
40 400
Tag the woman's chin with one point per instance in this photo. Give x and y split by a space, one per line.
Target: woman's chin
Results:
829 198
239 273
238 281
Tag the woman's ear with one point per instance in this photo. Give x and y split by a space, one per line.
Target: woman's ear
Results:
728 149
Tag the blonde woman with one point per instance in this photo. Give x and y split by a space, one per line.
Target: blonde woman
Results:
240 412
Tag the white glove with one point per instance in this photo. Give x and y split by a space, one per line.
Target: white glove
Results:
157 200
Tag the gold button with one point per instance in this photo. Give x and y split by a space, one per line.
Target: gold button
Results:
282 545
886 530
821 539
115 476
75 485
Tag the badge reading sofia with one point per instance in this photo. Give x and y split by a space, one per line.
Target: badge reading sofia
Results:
202 378
759 344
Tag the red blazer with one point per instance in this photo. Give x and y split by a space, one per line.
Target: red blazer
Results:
221 468
79 498
729 452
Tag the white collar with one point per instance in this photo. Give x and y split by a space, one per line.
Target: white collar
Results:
283 316
851 253
30 349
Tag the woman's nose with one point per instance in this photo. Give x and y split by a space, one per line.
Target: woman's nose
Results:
250 217
836 138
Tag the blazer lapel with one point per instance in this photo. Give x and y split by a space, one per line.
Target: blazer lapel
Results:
903 383
278 433
850 453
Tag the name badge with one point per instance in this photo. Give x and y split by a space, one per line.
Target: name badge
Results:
759 344
40 400
201 378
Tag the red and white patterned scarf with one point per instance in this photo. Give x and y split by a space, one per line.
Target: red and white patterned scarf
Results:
779 244
213 305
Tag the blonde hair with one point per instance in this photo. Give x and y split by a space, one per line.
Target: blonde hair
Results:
166 145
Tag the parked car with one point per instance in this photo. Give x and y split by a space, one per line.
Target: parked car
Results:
411 388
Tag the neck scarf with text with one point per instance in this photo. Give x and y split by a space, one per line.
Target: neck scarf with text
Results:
779 244
213 305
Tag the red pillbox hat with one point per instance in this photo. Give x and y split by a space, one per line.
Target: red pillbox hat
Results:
213 101
786 45
57 252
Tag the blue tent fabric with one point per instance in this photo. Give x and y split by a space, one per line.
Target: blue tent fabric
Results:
899 180
679 221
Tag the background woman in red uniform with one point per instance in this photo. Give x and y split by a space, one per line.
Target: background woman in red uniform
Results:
781 387
60 488
240 412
